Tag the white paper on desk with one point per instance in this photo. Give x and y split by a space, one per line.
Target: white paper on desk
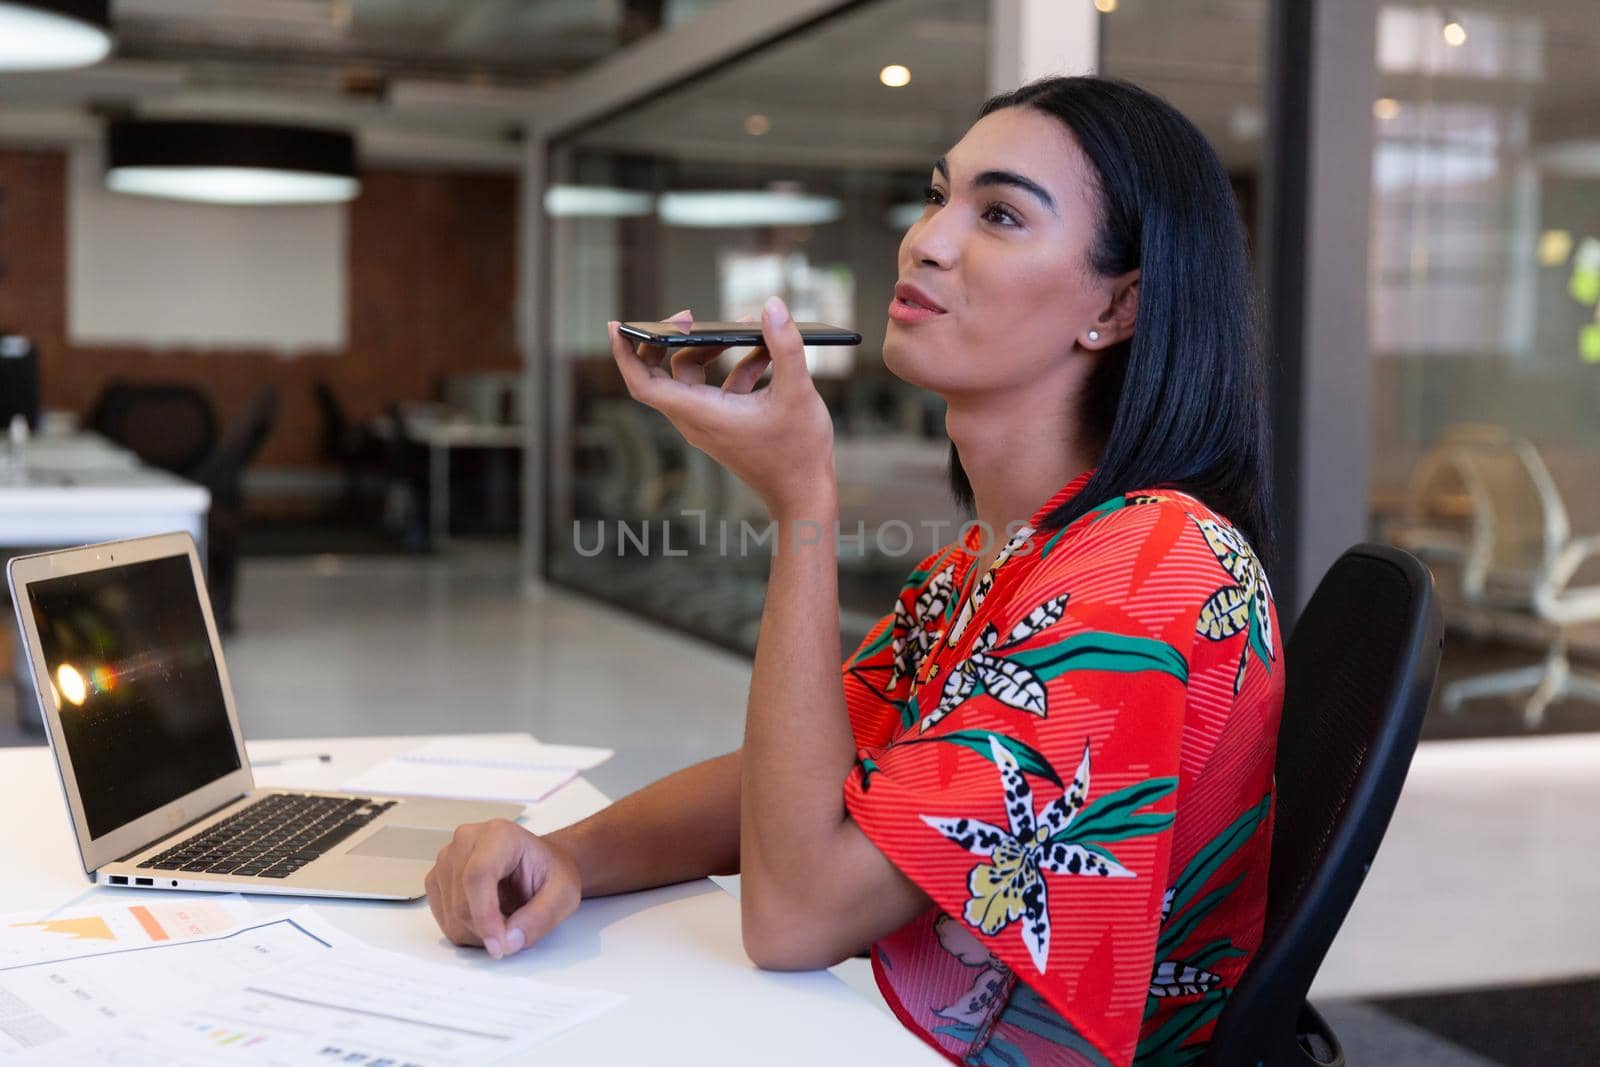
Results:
44 1001
350 1005
524 770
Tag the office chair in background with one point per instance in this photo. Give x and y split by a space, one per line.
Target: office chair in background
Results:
167 425
223 474
363 458
1361 665
174 427
1516 556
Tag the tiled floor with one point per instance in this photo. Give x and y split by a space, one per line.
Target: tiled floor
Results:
364 645
1487 876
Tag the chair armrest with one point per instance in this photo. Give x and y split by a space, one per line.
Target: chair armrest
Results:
1571 557
1317 1039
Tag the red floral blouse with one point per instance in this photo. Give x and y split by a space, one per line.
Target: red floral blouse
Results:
1072 756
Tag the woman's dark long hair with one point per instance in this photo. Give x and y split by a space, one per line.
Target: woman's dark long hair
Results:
1180 404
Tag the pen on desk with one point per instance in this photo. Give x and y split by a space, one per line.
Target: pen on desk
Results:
320 757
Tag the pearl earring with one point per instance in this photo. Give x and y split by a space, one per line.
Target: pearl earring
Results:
1094 335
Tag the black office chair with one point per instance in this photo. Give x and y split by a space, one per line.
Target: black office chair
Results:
223 474
1361 666
167 425
362 457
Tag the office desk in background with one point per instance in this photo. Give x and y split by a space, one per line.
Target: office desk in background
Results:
693 994
80 488
441 438
441 429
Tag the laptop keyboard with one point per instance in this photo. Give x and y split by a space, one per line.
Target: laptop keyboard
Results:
272 837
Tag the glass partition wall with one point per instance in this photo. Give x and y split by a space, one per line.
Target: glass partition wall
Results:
793 171
1486 230
1485 339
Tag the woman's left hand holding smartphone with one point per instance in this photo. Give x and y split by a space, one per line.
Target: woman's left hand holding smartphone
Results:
777 440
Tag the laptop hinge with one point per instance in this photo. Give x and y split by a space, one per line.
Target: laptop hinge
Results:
180 830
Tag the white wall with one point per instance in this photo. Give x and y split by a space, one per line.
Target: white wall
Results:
166 274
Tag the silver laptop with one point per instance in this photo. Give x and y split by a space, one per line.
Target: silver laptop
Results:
135 699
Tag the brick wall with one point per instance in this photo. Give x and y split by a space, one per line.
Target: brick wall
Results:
432 290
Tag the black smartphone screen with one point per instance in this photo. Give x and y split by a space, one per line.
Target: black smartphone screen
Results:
730 333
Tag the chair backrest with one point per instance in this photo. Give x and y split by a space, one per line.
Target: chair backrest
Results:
1361 665
167 425
223 470
1525 519
335 424
1438 481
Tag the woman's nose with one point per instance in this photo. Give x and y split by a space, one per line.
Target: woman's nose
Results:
934 240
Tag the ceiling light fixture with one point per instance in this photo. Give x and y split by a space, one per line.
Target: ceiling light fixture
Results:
1386 108
752 207
231 162
895 75
1455 34
1105 7
53 34
596 202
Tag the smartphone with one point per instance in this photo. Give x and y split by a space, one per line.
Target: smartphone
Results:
730 333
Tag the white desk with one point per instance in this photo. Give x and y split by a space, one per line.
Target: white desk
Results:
694 997
441 437
80 488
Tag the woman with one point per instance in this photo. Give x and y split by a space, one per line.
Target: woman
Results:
1041 789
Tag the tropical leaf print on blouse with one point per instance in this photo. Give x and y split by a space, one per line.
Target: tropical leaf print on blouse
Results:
1030 759
1011 887
1098 512
1009 683
1183 970
915 634
980 591
974 1006
1028 1012
1016 677
1243 606
973 1018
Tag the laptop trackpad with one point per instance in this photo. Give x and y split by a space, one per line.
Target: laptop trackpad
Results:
404 843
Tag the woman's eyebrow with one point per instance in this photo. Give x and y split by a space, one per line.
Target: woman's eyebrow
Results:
1002 177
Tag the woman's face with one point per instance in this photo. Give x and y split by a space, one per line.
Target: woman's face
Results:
1001 252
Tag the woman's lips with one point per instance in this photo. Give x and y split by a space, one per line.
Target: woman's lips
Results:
907 314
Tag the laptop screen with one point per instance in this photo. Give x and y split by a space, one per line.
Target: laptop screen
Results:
142 710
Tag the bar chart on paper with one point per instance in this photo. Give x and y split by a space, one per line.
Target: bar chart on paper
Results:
29 939
93 983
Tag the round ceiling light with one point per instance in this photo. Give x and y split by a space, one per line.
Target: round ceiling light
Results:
52 34
231 162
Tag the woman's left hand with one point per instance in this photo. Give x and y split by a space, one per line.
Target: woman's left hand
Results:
777 440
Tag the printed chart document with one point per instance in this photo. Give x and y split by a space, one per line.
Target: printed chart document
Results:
88 931
524 770
96 983
288 991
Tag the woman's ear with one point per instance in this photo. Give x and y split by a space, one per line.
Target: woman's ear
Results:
1116 320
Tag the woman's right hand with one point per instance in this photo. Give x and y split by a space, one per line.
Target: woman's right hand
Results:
498 885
